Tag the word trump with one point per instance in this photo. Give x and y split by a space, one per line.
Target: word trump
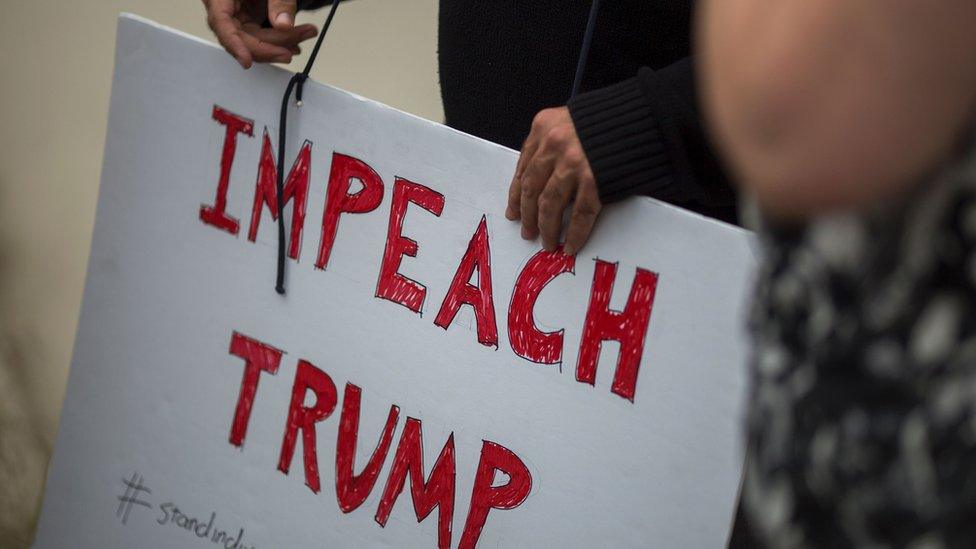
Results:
472 281
352 489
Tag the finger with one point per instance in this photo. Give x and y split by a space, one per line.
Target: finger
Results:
514 197
264 52
529 149
285 38
222 23
533 180
281 13
552 203
585 212
537 173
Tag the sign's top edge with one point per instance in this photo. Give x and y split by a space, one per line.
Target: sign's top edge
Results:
149 22
127 16
702 217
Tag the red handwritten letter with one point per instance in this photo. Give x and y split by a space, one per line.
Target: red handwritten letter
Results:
351 489
526 339
339 201
437 491
628 327
479 297
392 285
258 357
296 186
485 496
215 215
304 418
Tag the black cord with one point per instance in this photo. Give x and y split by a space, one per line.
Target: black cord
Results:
585 49
297 81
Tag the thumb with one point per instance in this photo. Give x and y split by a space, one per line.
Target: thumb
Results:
281 13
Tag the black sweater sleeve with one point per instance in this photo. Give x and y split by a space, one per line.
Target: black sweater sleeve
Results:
645 136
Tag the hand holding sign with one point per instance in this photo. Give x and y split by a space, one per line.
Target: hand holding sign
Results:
237 24
553 174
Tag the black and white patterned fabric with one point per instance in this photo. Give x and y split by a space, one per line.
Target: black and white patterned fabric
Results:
862 421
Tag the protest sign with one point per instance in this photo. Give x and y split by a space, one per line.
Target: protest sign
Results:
430 379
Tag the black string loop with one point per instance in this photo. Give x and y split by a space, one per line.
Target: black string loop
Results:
585 49
296 83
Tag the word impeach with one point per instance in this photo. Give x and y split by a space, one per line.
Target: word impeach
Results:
601 323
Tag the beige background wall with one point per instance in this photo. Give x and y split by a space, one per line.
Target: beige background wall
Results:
55 74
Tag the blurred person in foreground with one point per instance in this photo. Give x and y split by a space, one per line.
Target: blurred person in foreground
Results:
852 124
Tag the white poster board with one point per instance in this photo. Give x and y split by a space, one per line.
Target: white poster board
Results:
430 379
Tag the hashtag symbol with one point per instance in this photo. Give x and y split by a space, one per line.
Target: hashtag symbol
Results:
133 489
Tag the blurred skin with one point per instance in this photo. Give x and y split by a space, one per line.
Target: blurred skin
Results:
829 105
552 175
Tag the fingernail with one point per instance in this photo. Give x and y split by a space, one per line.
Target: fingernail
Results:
283 19
509 214
569 250
526 234
283 59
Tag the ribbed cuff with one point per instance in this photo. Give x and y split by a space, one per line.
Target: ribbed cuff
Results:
623 142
